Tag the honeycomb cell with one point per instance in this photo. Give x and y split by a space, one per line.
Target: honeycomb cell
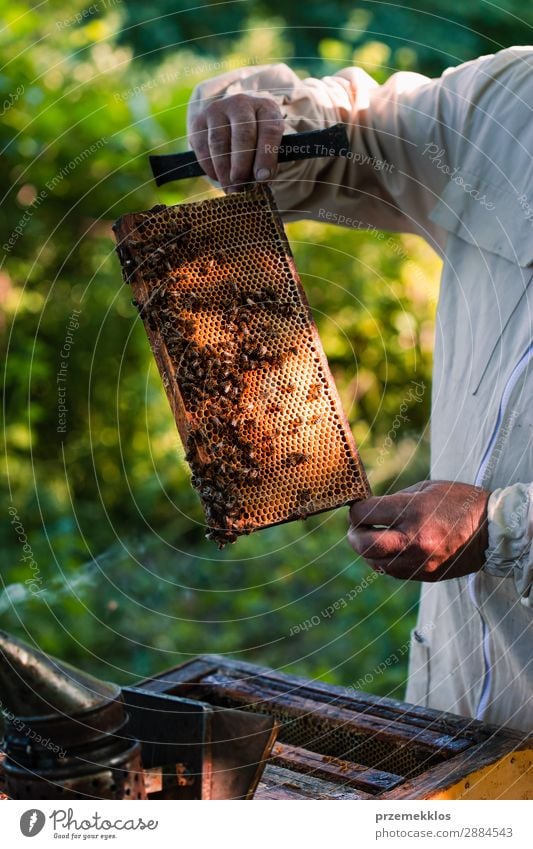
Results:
242 364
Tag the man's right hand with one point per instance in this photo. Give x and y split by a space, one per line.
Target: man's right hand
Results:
234 139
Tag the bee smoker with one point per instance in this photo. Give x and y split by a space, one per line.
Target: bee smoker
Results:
71 736
64 731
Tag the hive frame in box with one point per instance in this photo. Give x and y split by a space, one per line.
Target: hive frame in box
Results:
241 361
339 743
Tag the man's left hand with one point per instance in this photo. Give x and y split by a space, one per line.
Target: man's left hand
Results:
431 531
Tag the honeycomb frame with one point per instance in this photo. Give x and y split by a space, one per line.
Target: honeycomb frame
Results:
241 361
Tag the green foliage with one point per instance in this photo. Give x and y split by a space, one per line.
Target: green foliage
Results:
418 34
128 583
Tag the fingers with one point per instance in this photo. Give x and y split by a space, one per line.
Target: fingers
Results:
425 533
377 544
384 510
219 141
199 143
235 139
270 126
243 142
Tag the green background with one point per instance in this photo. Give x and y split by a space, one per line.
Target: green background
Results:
129 584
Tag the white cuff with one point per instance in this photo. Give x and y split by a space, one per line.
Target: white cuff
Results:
510 529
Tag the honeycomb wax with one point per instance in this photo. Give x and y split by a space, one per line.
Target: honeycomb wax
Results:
241 361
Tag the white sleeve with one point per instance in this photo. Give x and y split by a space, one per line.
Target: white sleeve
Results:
510 551
404 138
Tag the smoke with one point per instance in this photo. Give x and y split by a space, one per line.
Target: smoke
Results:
56 588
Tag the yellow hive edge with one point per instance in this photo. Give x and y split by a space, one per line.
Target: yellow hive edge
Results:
510 777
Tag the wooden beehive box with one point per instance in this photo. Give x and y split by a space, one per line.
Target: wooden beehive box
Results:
336 743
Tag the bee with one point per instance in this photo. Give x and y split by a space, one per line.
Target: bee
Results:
285 310
314 420
230 504
148 274
191 302
299 513
151 320
271 294
314 392
234 289
229 450
304 496
296 458
288 389
250 454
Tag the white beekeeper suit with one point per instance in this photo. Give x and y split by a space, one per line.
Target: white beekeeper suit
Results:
452 160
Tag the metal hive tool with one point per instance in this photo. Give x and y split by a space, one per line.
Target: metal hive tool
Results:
241 361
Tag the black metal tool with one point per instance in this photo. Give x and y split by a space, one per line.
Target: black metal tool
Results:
193 750
70 736
314 144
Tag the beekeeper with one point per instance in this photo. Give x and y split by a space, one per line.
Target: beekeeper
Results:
450 159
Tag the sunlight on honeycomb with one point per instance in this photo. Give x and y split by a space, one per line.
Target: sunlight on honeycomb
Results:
242 363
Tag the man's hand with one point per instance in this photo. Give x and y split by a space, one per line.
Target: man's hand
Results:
433 531
233 139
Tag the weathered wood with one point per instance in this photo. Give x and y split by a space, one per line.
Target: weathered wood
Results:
174 681
258 692
427 751
361 701
373 781
281 783
446 774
